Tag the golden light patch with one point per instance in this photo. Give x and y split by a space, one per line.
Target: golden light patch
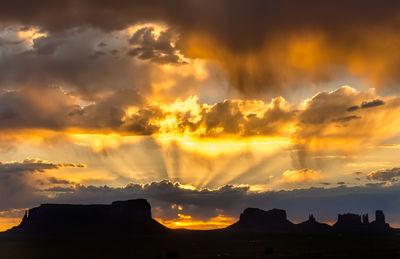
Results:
187 117
302 175
98 142
213 147
31 34
170 123
187 187
188 222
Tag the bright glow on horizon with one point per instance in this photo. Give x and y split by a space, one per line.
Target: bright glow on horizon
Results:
187 222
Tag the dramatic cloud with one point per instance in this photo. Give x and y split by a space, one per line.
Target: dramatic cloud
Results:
326 121
20 184
366 104
21 109
4 42
24 109
71 59
322 122
371 104
384 174
32 165
54 180
308 42
157 48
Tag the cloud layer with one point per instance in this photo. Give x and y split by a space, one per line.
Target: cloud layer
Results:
262 45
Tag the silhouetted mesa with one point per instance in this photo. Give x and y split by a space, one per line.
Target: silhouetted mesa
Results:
120 217
253 219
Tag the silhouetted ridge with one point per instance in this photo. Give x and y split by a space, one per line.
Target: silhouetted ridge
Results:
353 222
134 217
311 225
275 221
120 217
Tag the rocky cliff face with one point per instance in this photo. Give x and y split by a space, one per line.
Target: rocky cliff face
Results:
120 217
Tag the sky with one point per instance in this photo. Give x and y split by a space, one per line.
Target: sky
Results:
204 108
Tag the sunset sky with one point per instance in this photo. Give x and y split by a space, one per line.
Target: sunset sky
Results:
202 107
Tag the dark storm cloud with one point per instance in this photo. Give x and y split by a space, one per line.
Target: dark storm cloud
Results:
384 174
97 54
33 165
28 165
140 123
158 49
374 103
225 19
47 45
4 42
55 180
18 185
224 115
52 108
353 108
273 121
72 59
21 109
264 45
107 112
366 104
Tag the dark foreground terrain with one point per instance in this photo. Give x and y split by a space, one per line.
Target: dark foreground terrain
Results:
206 244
